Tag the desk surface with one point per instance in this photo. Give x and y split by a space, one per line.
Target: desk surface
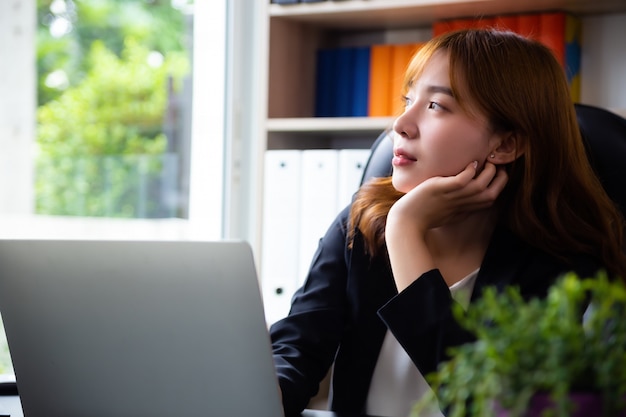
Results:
320 413
10 406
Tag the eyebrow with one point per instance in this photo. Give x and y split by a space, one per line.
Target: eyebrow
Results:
440 89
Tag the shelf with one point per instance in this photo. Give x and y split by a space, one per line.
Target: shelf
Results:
340 126
290 35
325 132
354 14
328 124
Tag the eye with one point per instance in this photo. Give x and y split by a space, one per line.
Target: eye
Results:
407 102
434 106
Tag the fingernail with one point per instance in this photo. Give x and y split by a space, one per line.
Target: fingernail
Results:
475 164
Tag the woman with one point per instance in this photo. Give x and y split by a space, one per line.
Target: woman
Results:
490 186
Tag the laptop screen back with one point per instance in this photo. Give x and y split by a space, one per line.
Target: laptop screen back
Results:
119 328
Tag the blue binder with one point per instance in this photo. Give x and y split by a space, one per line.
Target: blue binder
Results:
325 81
344 82
360 81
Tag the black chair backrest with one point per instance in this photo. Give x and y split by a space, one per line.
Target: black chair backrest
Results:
379 162
604 134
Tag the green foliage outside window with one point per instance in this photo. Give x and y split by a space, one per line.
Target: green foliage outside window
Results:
116 111
5 359
103 93
102 104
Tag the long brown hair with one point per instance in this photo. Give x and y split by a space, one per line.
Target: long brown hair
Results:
553 199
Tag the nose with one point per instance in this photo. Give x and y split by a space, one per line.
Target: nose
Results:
405 125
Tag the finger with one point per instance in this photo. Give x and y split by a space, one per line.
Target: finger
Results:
487 174
451 184
461 179
490 194
484 190
467 183
500 179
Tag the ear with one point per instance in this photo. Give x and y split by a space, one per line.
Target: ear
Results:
509 148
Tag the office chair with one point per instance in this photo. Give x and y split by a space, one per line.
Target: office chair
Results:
604 135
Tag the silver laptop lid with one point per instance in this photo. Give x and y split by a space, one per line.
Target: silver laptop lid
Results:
119 328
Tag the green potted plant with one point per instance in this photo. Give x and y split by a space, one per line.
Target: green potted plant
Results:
538 357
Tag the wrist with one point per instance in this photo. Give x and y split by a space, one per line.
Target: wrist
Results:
399 225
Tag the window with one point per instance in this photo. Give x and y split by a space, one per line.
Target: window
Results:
98 120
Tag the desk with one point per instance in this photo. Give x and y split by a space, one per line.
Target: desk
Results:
319 413
10 405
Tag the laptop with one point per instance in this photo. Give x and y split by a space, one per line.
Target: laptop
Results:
136 328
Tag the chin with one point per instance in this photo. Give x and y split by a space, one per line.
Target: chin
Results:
403 185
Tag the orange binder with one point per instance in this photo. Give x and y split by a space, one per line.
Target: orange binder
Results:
485 22
506 22
467 23
441 27
444 26
402 55
380 80
552 33
528 25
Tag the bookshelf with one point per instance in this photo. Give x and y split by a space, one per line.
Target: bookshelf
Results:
394 13
297 31
287 37
290 35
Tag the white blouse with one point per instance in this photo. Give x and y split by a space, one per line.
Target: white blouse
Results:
397 384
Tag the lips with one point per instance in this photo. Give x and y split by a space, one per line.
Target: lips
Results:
399 153
402 158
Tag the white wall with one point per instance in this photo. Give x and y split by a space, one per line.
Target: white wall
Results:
603 66
246 111
206 195
17 105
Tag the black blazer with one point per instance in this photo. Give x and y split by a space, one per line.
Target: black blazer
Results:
348 301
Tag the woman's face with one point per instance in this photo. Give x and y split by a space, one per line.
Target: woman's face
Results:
434 136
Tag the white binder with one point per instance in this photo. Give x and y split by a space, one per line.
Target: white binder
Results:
279 250
351 166
318 201
303 193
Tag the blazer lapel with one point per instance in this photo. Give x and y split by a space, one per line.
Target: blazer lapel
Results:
505 255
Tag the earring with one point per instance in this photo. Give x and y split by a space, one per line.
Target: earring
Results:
493 155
